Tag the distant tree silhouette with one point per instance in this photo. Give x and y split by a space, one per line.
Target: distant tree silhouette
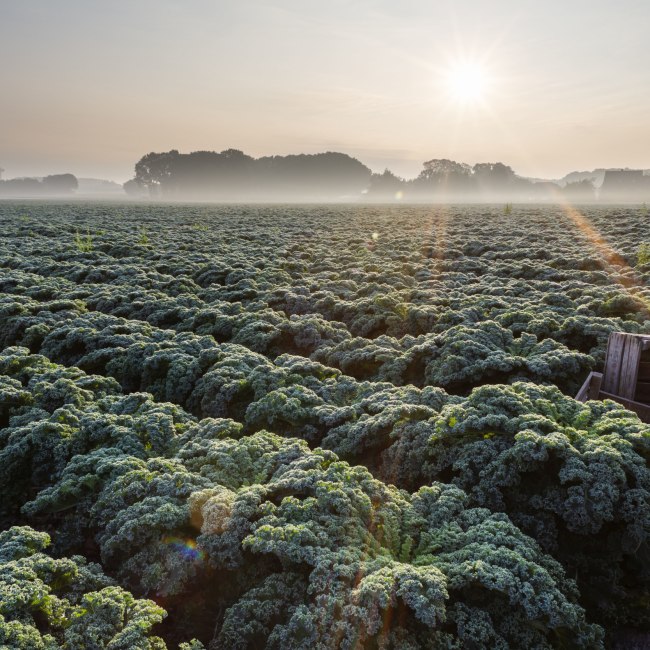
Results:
442 167
233 175
385 185
580 191
59 184
494 175
443 178
134 188
21 187
155 169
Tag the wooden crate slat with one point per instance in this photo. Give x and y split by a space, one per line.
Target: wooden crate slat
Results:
644 371
642 410
630 367
613 361
642 392
594 386
626 376
591 388
583 393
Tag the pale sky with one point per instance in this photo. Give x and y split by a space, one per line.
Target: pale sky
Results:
89 86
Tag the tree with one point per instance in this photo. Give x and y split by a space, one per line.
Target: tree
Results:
134 188
60 184
442 167
385 185
155 169
444 177
583 190
493 175
233 175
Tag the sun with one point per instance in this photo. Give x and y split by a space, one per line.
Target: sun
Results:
467 82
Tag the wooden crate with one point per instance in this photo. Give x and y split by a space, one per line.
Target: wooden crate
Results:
626 375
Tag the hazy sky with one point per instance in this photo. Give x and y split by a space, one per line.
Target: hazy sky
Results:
89 86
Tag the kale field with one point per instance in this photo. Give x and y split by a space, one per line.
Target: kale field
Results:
319 427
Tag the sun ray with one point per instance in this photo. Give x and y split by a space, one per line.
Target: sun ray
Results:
614 263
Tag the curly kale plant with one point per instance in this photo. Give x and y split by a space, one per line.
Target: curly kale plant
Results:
573 476
48 603
353 560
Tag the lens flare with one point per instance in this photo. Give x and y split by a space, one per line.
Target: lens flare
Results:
186 548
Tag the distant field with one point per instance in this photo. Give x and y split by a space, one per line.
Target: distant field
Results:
312 426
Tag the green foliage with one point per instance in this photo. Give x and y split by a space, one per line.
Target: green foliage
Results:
573 476
163 525
143 238
643 254
291 434
83 243
66 603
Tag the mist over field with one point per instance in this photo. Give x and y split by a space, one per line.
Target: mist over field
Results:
232 176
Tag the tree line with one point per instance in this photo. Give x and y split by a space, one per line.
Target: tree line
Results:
56 184
232 175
